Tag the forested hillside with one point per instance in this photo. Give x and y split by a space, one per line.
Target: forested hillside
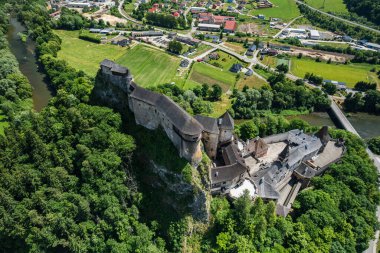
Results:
67 180
369 9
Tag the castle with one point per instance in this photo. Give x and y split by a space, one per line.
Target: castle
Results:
152 110
274 167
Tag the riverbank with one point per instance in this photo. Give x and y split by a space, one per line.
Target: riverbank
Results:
28 65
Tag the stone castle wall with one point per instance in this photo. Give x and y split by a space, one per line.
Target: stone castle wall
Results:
151 117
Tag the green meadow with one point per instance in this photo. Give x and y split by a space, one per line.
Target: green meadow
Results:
85 55
350 73
336 6
149 66
204 73
284 9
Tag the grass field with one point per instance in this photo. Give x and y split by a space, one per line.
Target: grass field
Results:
237 47
336 6
204 73
284 9
250 81
350 74
151 67
226 60
84 55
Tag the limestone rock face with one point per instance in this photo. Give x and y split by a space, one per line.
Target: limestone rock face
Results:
185 197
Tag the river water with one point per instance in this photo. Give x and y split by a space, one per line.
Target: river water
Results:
366 125
25 54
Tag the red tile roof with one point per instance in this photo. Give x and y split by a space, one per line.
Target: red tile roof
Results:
230 25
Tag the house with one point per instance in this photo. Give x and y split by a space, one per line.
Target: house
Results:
230 26
251 50
236 68
176 14
94 30
264 4
249 72
122 42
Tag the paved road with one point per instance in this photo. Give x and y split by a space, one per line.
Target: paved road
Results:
339 18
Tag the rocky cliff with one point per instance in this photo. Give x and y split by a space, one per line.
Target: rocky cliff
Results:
168 181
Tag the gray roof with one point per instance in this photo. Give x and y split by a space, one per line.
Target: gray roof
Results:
209 124
178 116
114 66
226 173
226 121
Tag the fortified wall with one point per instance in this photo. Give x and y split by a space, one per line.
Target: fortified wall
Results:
153 110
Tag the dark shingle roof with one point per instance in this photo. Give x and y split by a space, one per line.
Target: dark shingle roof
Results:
226 121
178 116
107 63
114 66
209 124
226 173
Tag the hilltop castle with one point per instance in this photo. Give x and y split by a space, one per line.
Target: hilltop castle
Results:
152 110
274 167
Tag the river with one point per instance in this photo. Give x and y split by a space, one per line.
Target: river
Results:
366 125
25 54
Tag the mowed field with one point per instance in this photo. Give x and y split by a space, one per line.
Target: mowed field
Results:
350 74
84 55
203 73
336 6
284 9
150 66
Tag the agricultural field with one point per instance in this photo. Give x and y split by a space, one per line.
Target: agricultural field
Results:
85 55
204 73
335 6
350 74
150 66
284 9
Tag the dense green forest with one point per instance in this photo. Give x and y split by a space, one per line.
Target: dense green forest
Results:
369 9
67 173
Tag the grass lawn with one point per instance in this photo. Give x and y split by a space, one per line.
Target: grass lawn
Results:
204 73
150 66
250 81
284 9
270 61
84 55
350 74
336 6
226 60
335 45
